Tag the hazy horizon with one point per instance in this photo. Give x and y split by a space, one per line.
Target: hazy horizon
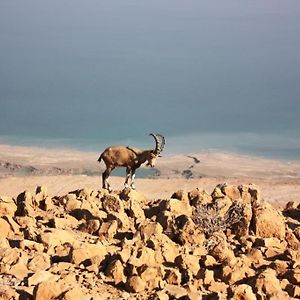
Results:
95 72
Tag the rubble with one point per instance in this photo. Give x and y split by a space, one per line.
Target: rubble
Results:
92 244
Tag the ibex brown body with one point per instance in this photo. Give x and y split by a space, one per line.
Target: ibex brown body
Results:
129 157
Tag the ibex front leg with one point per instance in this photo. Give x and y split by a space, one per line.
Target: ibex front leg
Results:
128 175
132 179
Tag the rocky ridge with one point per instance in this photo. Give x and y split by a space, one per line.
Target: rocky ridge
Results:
230 244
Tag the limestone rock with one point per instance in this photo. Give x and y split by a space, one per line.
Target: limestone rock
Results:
48 290
135 284
242 292
267 221
41 276
7 206
197 197
5 228
112 203
115 271
40 261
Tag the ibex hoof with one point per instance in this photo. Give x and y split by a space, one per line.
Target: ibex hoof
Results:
133 187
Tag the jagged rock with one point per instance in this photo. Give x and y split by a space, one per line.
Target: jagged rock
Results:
293 290
208 277
41 276
175 291
84 253
74 294
7 293
108 229
267 284
293 276
237 272
187 232
172 276
40 261
115 271
242 292
5 228
177 207
231 191
197 197
135 284
220 250
41 193
55 237
181 195
267 221
217 192
48 290
292 240
112 203
150 275
26 204
242 227
91 226
7 206
189 263
145 256
149 228
4 243
13 225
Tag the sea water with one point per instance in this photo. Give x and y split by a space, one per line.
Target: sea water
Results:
221 75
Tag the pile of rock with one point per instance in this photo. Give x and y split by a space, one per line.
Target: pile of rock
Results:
95 245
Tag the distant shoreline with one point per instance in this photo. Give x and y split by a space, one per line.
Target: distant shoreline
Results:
38 161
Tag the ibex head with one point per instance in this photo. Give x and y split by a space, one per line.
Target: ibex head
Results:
160 142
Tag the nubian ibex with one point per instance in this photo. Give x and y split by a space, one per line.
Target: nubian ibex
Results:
131 158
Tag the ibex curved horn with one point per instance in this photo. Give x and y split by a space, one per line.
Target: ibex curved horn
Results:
160 143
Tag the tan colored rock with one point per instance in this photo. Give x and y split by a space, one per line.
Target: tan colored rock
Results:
175 291
177 207
54 237
4 243
149 228
242 292
40 261
108 229
145 256
150 275
7 206
26 204
135 284
5 229
115 271
84 253
267 221
172 276
267 284
19 270
242 227
112 203
218 287
8 293
74 294
292 240
41 276
198 197
90 226
208 277
188 262
231 191
48 290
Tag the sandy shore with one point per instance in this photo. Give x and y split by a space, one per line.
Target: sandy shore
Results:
23 168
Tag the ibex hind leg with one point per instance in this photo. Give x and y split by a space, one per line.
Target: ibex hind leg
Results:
105 183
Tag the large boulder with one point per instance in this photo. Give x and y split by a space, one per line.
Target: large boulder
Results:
267 221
